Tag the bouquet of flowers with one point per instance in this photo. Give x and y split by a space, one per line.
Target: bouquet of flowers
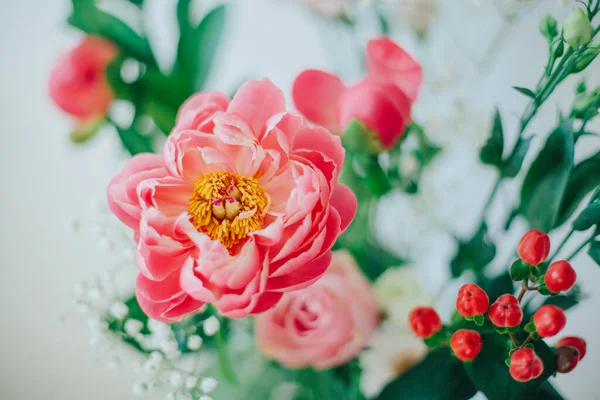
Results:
260 274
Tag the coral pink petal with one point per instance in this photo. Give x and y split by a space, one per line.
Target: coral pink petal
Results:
199 102
169 195
316 95
169 311
387 61
266 301
163 290
192 284
256 102
344 201
320 141
302 276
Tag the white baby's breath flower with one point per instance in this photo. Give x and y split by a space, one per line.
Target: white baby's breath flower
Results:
194 342
133 327
208 384
119 310
191 382
169 346
139 389
175 379
211 325
205 397
159 329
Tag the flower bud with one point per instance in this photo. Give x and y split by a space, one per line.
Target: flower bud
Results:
506 312
549 27
525 365
466 344
577 28
471 300
534 247
560 277
566 359
86 128
549 320
586 58
424 322
574 341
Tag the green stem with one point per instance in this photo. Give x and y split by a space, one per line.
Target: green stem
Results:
582 246
560 246
225 367
490 199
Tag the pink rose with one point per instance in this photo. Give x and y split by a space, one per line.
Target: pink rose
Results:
243 205
382 100
78 82
324 325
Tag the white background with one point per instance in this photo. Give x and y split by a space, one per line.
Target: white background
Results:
46 181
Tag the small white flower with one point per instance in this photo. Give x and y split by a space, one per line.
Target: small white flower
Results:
139 389
160 329
207 385
155 356
96 324
205 397
119 310
191 382
153 362
169 346
133 327
211 326
175 379
194 342
94 293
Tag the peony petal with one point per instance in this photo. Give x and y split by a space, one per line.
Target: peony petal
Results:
198 111
256 102
166 289
386 61
344 201
316 95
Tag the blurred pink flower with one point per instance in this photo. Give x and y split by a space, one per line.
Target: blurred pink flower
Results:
324 325
381 100
243 205
78 82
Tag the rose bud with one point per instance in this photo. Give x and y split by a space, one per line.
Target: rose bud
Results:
577 28
534 247
525 365
566 359
549 320
466 344
471 300
506 312
574 341
560 277
424 321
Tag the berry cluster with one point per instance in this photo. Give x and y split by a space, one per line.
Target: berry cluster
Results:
506 315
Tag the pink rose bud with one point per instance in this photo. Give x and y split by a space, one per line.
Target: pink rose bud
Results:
78 82
381 101
324 325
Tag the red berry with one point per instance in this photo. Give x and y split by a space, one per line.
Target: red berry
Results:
471 300
574 341
525 365
506 311
466 344
534 247
560 277
549 320
566 359
424 321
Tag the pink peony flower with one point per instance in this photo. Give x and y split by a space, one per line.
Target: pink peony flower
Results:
381 100
243 205
78 82
324 325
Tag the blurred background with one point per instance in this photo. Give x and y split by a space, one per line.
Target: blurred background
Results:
53 194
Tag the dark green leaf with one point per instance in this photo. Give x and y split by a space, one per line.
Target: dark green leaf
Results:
357 138
383 24
589 217
87 17
594 251
134 142
473 254
546 181
438 377
489 372
138 3
584 178
322 385
548 392
375 177
497 286
121 89
491 152
514 162
519 270
564 301
525 91
198 46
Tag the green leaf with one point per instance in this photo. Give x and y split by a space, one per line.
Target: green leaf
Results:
383 24
496 286
514 162
519 270
525 91
87 17
358 138
490 375
225 367
589 217
438 377
546 181
584 178
594 251
375 177
133 141
138 3
321 385
473 254
198 45
491 152
548 392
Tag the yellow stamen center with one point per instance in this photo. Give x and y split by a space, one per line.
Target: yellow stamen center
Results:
227 207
